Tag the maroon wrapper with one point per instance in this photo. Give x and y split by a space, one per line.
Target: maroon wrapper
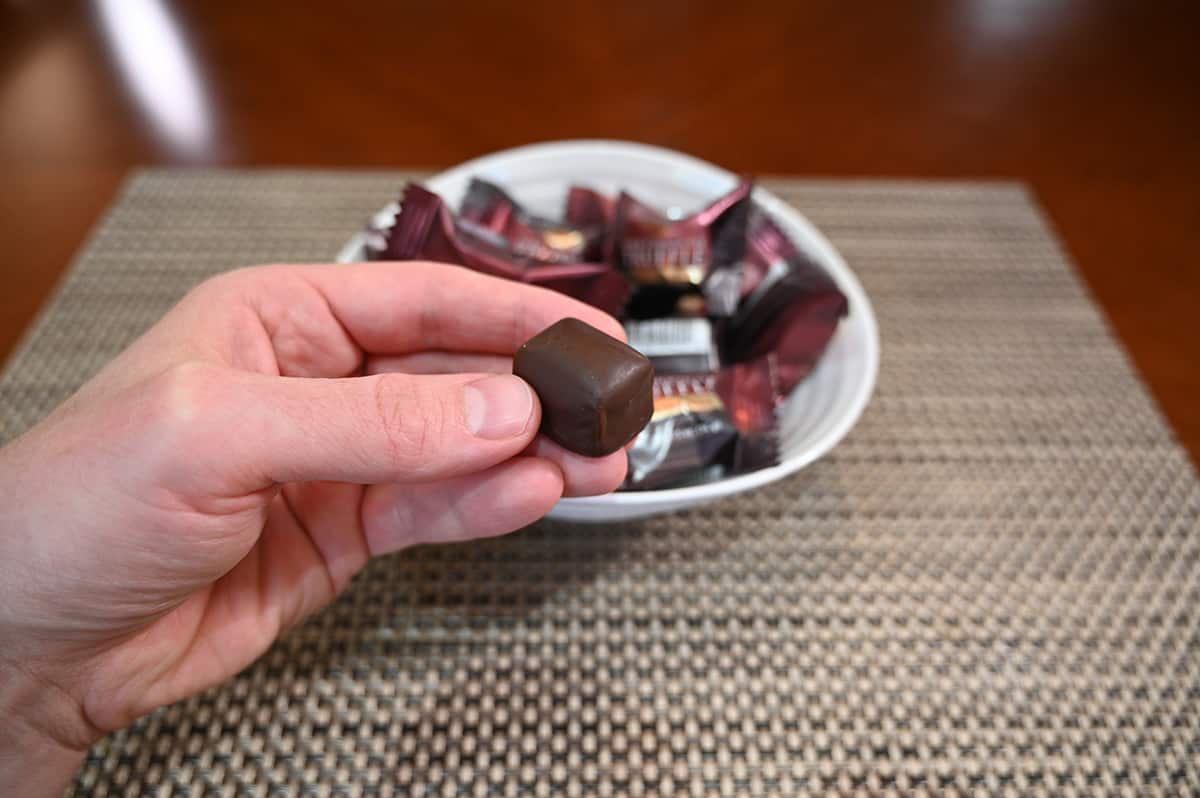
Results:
588 208
768 251
801 334
426 229
669 259
770 309
752 391
792 313
488 206
706 426
691 436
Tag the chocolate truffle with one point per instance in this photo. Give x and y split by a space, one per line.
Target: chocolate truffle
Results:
596 392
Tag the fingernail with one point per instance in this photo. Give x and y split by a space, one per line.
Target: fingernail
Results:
498 407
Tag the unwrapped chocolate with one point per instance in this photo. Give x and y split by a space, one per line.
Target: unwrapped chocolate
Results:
595 390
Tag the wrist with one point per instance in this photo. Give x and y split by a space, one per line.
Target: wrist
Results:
44 733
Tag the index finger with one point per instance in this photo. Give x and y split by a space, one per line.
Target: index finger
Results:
391 308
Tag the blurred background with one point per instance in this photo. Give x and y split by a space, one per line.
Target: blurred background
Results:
1094 103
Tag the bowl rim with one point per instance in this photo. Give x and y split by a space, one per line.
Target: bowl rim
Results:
830 258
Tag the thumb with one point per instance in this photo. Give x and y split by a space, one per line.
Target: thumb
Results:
385 428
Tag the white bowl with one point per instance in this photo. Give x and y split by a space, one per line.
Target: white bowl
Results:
818 413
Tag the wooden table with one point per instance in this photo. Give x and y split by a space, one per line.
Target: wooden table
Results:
1096 104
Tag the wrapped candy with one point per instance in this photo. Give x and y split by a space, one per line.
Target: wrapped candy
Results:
730 312
670 259
425 228
488 207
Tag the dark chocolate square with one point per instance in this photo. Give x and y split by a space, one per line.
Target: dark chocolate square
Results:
596 392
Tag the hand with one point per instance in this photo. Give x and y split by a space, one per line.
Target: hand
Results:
232 470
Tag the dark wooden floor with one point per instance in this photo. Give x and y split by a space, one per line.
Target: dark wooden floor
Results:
1096 103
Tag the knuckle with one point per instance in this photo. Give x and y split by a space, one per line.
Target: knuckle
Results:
181 390
179 399
165 429
415 421
220 285
389 521
234 283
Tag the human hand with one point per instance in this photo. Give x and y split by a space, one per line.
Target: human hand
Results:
231 471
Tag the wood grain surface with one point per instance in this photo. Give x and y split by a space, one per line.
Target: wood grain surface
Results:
1095 103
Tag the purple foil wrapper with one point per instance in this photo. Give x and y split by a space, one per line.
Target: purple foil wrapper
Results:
426 229
488 207
747 313
668 259
706 426
791 313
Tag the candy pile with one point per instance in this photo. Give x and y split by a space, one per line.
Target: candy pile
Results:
730 312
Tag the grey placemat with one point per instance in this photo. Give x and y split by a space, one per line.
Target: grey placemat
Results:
989 587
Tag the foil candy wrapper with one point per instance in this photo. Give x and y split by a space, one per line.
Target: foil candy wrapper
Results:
488 207
425 228
669 259
677 345
730 311
589 208
791 312
706 426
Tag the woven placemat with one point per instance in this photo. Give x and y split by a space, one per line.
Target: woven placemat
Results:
990 587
